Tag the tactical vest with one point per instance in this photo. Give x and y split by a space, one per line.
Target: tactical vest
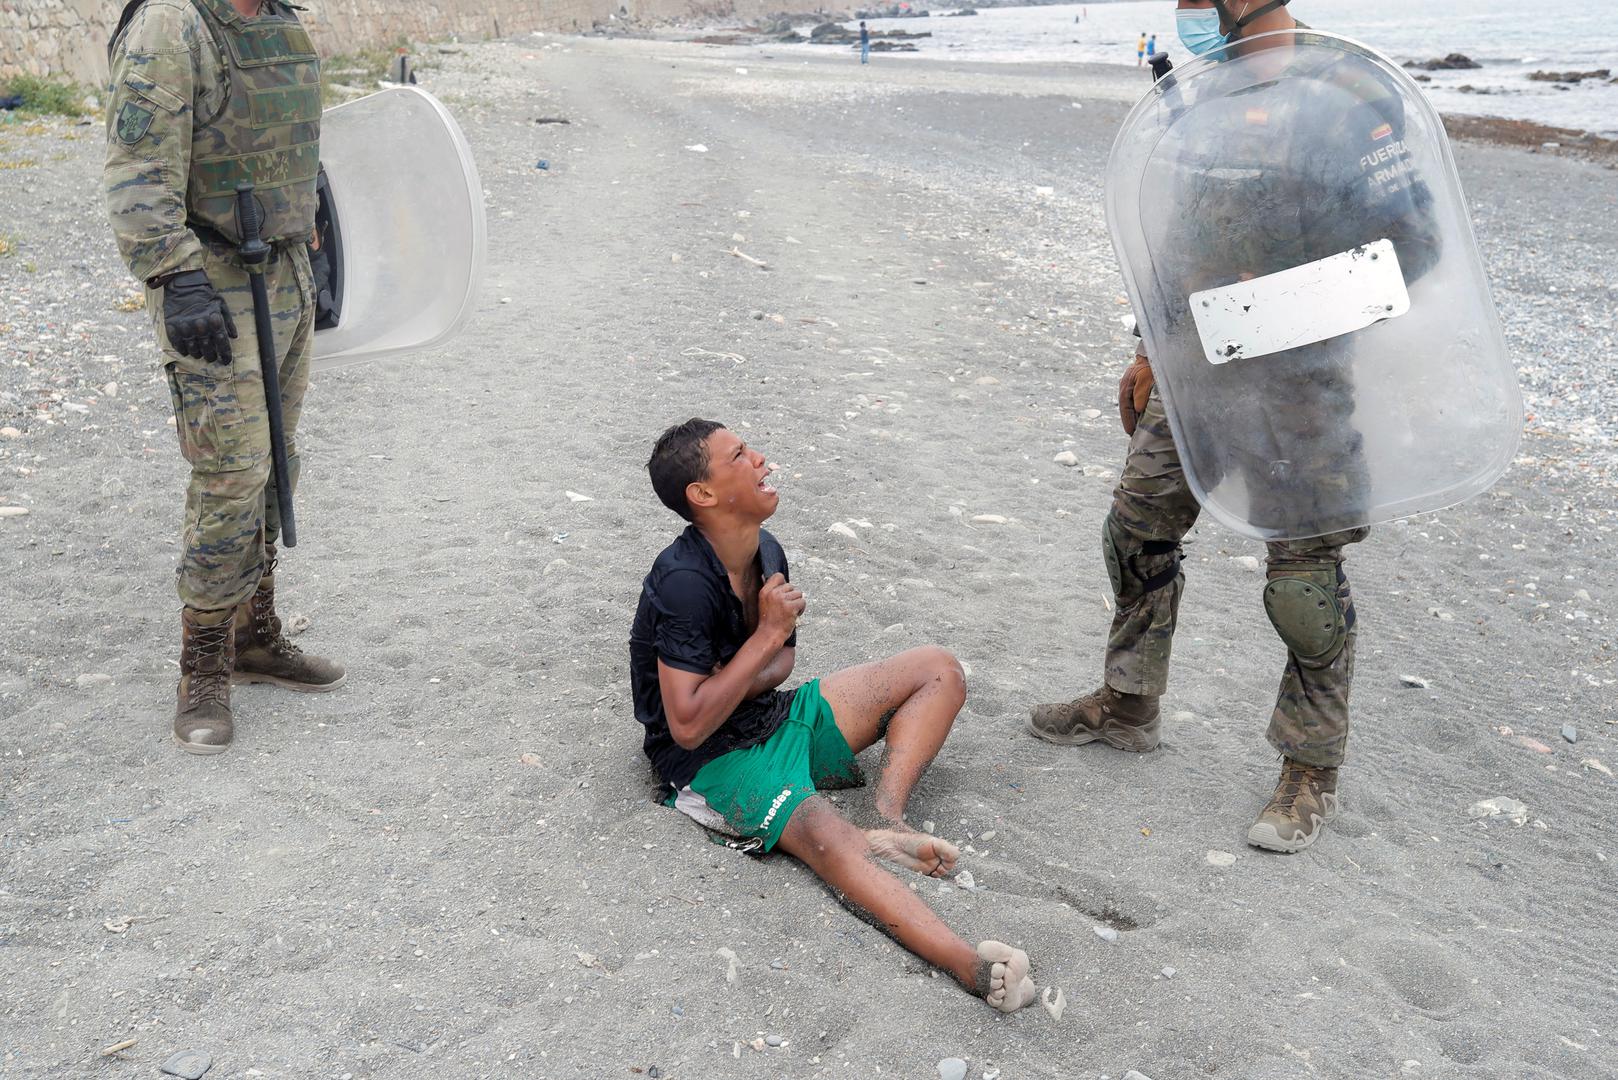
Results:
269 131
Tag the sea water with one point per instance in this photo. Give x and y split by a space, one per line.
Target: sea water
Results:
1510 38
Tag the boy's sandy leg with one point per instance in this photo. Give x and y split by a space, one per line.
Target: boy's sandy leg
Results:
1010 987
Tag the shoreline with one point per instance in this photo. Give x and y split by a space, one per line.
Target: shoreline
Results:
767 31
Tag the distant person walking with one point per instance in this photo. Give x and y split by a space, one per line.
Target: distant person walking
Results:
1140 50
865 43
1151 47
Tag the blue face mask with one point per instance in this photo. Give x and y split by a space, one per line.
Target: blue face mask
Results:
1199 31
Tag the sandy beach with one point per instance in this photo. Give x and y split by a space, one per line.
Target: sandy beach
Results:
453 867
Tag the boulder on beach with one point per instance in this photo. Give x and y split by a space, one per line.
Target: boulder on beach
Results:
1570 76
1453 62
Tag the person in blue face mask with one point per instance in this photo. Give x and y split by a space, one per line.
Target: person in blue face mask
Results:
1205 25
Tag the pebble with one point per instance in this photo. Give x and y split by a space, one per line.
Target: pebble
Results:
697 148
1168 973
1133 1075
91 680
574 496
1570 733
1220 858
757 1044
1247 562
987 835
1092 414
843 530
989 519
773 1040
10 433
1415 681
678 1010
928 826
1500 806
13 511
187 1064
965 880
1105 933
1066 457
1057 1006
778 965
952 1069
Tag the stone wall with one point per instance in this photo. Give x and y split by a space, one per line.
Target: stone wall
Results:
69 37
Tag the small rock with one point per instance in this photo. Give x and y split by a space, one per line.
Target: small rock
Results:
1415 681
843 530
1066 457
13 511
1105 933
1133 1075
1248 562
697 148
778 965
297 624
574 496
965 880
530 758
92 680
1056 1007
773 1040
757 1045
729 956
1500 806
655 1073
10 433
928 826
1220 858
988 519
187 1064
952 1069
1169 973
1593 763
986 835
110 390
1092 414
987 380
1570 733
1531 744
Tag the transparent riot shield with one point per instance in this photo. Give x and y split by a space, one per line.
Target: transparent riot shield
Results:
407 226
1298 253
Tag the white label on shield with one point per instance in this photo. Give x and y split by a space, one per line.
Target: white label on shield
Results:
1313 302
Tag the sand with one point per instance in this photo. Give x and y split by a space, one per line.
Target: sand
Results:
452 867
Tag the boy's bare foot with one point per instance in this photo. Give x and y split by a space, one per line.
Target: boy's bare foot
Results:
916 851
1003 977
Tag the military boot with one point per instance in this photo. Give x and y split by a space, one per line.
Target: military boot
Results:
263 653
1122 721
202 719
1304 800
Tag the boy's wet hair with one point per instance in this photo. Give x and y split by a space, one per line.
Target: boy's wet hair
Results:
679 459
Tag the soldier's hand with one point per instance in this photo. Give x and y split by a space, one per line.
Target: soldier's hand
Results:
195 318
1134 390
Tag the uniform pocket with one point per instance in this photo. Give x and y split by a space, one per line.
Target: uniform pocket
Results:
220 421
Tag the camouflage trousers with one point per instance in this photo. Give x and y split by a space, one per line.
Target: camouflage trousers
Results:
219 412
1152 509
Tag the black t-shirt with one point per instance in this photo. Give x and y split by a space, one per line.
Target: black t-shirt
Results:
691 618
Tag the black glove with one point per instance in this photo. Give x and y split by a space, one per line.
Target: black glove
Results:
320 268
195 317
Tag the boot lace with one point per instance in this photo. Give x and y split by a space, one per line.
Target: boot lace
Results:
212 686
1294 778
267 630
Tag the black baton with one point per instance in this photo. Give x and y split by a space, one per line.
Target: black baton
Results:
254 253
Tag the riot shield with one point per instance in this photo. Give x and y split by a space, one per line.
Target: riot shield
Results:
404 215
1298 254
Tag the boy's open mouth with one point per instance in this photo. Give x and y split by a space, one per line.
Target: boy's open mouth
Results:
764 484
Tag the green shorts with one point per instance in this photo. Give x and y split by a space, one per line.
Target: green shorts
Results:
752 792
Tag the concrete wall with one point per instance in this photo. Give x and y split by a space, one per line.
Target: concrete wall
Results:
69 37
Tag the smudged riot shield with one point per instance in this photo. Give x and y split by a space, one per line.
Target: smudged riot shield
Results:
402 217
1299 256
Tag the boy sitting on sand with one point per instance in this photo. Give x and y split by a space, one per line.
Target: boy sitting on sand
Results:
714 635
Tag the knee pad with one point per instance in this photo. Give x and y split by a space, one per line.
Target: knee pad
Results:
1304 609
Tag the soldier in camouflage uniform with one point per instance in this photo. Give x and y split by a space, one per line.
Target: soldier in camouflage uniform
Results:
1306 593
206 94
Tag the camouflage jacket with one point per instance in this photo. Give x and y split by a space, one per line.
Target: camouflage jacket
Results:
170 103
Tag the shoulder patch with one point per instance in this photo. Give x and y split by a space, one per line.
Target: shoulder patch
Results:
134 120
